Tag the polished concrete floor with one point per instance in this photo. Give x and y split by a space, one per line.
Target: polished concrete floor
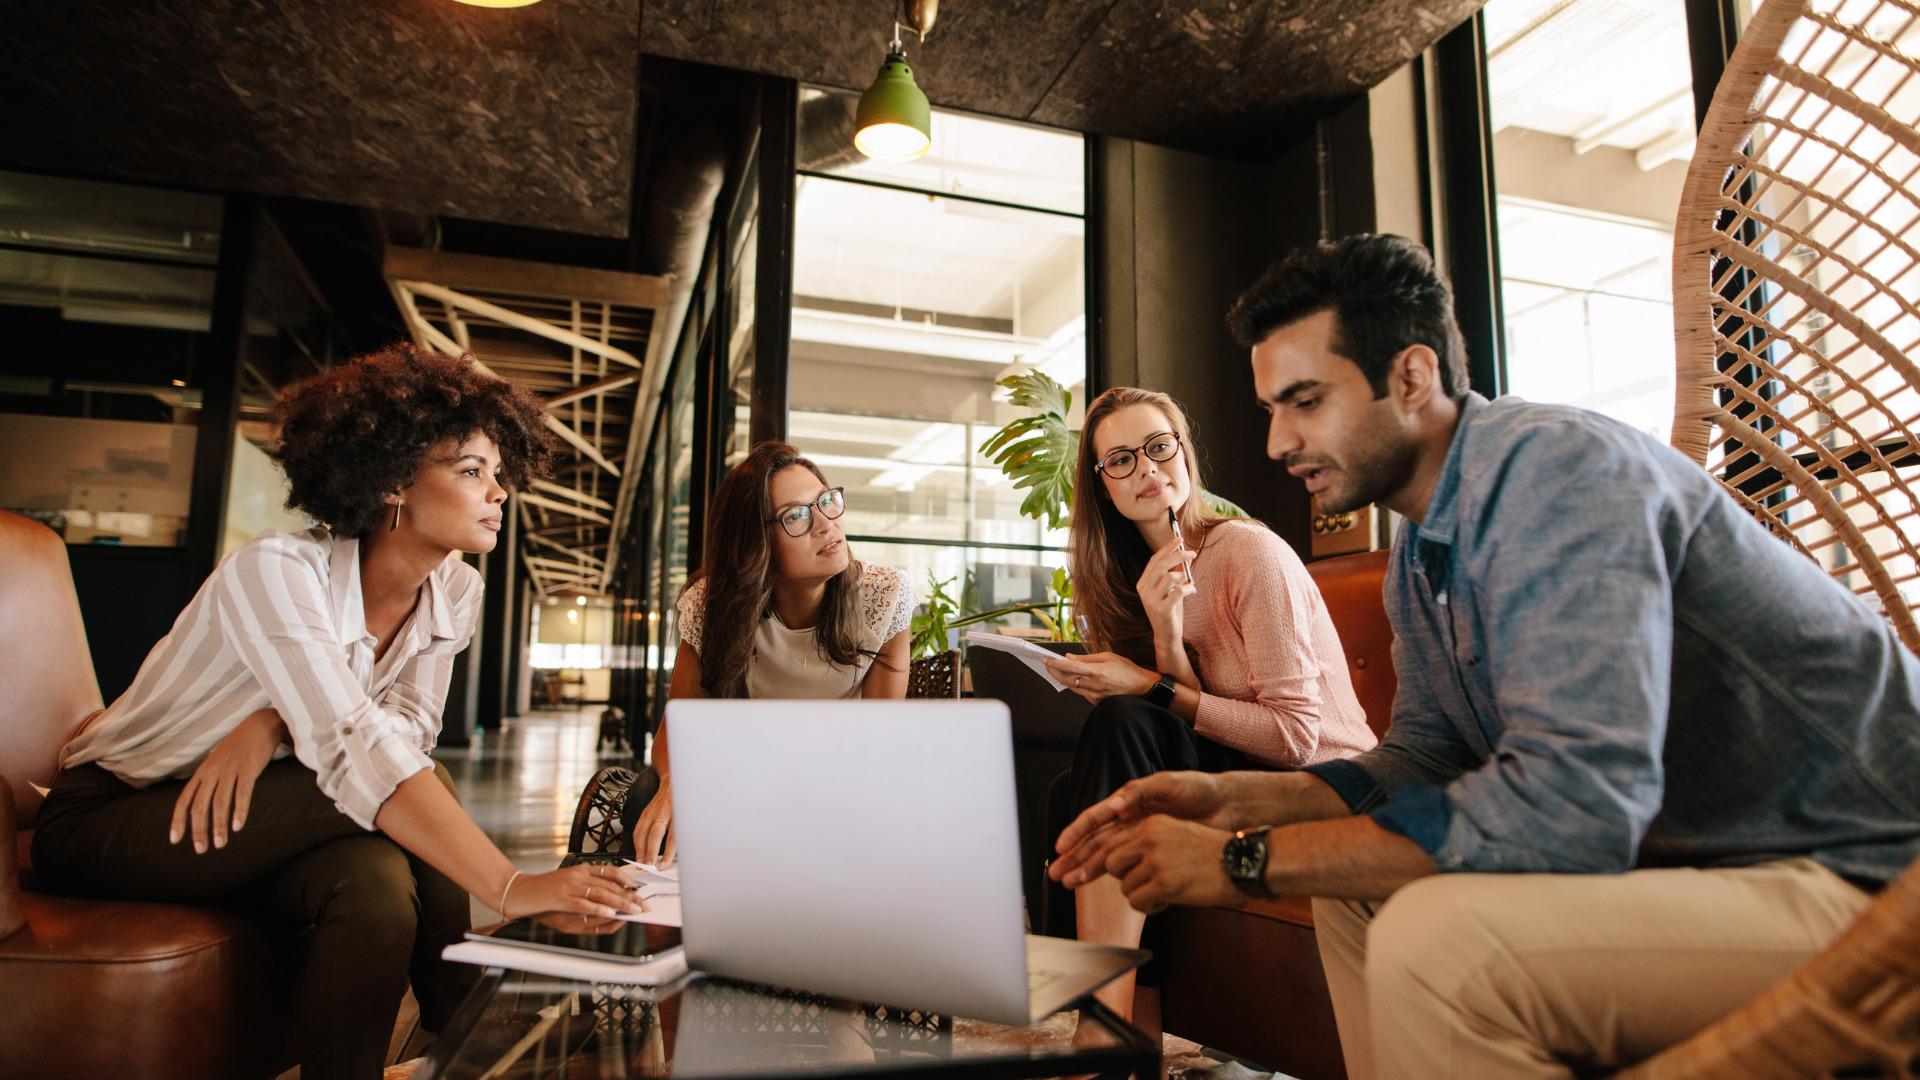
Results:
521 784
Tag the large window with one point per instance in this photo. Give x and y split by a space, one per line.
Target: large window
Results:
106 311
917 286
106 296
1592 104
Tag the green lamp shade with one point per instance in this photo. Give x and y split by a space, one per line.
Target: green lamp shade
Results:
893 122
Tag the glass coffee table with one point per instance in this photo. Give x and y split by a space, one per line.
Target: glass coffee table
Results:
519 1026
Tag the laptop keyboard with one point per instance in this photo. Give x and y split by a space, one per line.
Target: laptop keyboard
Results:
1041 978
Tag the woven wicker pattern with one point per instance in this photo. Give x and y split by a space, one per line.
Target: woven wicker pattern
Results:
936 676
1796 273
1796 267
596 821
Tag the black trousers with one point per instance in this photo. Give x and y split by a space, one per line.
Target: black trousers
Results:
1126 738
379 916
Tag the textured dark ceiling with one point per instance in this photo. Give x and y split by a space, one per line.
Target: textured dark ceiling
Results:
418 105
1235 78
528 116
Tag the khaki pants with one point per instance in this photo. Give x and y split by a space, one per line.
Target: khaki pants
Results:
1543 975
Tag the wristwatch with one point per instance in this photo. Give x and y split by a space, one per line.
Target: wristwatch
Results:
1245 860
1161 693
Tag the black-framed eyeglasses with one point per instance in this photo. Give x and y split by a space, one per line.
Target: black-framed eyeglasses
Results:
796 519
1119 463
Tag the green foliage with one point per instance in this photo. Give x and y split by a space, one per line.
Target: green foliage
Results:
1037 452
1061 588
1223 507
930 622
940 614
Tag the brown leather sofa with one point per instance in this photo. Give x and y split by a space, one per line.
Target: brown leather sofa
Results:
98 988
1248 981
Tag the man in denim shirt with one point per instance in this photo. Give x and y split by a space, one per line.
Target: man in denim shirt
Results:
1645 759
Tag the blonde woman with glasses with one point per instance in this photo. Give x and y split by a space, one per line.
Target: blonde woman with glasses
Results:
1212 649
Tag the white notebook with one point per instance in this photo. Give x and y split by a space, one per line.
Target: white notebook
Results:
1026 652
662 969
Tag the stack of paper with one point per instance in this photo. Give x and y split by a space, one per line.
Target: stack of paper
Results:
1026 652
658 889
658 971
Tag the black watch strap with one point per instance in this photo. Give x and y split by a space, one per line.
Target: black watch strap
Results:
1245 860
1161 693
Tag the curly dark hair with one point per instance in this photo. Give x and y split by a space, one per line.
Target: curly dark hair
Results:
1385 293
360 430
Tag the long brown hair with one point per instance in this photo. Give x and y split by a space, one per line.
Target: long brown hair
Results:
738 569
1106 548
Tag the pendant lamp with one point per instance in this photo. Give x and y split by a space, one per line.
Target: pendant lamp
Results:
893 121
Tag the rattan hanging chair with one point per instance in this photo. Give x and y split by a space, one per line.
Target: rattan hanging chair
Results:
1796 273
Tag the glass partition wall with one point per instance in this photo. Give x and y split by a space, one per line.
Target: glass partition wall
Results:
1592 115
906 292
916 287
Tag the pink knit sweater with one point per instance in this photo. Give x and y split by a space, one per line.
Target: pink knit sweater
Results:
1275 677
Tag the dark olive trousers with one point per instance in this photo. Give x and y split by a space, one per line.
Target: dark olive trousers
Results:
378 915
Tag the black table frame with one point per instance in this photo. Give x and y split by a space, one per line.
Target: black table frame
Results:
1137 1056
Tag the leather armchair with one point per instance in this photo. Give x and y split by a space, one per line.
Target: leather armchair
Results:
110 988
1248 981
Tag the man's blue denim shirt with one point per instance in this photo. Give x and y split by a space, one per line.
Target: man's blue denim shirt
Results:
1604 663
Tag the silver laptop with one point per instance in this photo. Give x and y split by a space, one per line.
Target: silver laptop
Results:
867 850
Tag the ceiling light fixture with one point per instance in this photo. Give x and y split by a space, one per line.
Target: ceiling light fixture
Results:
894 122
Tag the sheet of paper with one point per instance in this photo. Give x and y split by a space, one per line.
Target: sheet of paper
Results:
663 969
640 873
663 907
1026 652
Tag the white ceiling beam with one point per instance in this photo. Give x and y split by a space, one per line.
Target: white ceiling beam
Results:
566 397
554 545
1593 138
537 327
565 508
562 566
581 497
579 442
432 337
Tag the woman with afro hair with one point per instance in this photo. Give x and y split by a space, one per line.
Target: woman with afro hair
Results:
272 750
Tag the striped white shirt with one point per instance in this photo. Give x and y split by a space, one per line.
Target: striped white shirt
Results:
281 623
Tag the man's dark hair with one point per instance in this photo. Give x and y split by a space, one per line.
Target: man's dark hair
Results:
1385 295
363 428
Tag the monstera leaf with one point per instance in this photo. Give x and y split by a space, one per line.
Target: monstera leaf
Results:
1037 452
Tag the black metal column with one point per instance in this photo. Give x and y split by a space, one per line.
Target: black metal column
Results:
216 374
773 298
496 619
1473 239
463 692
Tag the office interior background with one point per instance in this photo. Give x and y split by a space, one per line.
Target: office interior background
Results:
653 216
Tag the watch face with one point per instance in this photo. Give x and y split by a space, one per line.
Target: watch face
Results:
1246 857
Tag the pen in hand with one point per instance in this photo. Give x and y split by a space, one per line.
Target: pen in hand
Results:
1173 521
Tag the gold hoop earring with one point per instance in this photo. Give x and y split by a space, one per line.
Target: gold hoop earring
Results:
396 518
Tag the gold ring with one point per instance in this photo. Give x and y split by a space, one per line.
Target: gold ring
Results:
1076 681
589 894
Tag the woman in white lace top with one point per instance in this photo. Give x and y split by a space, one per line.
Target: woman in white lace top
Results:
781 610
